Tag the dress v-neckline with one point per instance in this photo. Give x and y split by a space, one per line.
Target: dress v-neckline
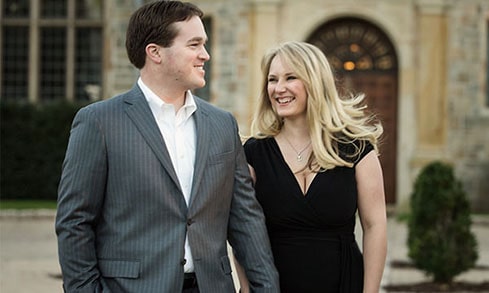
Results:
304 195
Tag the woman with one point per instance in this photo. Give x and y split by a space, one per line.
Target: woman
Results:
313 156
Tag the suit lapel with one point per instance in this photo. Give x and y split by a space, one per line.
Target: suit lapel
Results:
202 146
139 112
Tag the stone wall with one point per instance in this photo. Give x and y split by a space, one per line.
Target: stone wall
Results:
231 40
468 127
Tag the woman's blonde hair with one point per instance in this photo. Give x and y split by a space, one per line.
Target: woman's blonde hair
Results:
332 119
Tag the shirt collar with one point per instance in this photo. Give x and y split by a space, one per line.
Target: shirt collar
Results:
189 107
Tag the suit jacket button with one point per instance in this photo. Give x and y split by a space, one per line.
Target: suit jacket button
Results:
190 222
183 262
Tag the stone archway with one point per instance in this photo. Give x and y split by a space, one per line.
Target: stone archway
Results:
365 61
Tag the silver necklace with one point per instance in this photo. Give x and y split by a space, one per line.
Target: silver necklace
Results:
299 154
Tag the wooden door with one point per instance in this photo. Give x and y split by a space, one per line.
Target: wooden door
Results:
381 97
365 60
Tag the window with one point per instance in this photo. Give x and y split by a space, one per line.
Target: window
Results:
15 52
51 50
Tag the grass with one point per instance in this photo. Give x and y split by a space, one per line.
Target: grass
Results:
27 204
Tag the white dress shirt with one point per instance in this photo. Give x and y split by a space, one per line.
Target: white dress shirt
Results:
178 131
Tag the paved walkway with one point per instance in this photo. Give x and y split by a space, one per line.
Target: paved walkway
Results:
28 255
398 251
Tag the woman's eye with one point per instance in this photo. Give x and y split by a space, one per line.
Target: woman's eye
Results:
291 77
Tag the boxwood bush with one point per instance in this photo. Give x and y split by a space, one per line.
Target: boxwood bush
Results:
33 144
440 241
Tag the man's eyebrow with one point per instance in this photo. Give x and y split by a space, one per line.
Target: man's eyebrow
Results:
197 39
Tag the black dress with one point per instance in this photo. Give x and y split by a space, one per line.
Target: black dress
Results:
312 235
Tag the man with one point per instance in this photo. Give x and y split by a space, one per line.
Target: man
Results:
155 180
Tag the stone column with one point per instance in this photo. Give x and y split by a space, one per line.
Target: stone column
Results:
119 74
431 80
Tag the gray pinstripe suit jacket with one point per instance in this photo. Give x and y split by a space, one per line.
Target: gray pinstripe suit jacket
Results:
122 219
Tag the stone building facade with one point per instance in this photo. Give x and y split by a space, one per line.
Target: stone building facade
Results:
434 77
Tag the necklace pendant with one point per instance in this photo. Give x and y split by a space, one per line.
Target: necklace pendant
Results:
299 158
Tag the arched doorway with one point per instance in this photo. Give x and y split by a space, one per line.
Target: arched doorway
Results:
365 61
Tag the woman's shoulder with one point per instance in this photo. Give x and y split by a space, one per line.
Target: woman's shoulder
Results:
257 148
354 151
250 141
254 145
256 142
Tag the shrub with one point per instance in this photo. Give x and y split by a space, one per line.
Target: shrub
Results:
33 144
440 241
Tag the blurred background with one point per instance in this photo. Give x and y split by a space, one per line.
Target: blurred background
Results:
423 65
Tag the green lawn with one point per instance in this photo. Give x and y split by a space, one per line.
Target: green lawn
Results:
27 204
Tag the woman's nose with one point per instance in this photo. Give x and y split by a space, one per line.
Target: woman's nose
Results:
280 86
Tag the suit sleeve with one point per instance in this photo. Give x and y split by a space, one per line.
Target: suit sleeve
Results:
80 198
247 231
248 148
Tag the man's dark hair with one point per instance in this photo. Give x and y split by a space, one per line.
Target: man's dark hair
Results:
153 23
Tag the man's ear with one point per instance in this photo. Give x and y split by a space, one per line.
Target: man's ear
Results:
153 52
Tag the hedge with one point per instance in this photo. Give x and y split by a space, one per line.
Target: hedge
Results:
33 143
